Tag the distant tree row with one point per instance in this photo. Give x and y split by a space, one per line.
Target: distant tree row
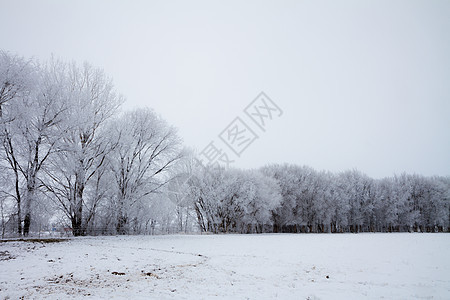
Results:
290 198
71 159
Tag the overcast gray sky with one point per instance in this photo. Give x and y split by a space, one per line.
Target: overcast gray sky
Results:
362 84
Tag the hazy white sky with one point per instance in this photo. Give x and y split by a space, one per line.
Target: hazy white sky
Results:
362 84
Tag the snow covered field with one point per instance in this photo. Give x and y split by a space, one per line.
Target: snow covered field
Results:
284 266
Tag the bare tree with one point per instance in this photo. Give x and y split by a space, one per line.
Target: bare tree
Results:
92 100
17 81
147 150
29 134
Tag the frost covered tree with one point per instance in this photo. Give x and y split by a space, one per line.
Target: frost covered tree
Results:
146 150
262 195
284 214
357 190
386 209
30 135
233 200
83 147
177 192
425 204
304 197
17 81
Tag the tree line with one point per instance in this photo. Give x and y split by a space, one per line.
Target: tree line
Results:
71 157
291 198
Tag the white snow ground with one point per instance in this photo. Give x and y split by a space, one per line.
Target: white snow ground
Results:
268 266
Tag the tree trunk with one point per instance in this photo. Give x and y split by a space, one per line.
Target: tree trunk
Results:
77 220
30 198
19 218
26 224
19 204
121 224
76 226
